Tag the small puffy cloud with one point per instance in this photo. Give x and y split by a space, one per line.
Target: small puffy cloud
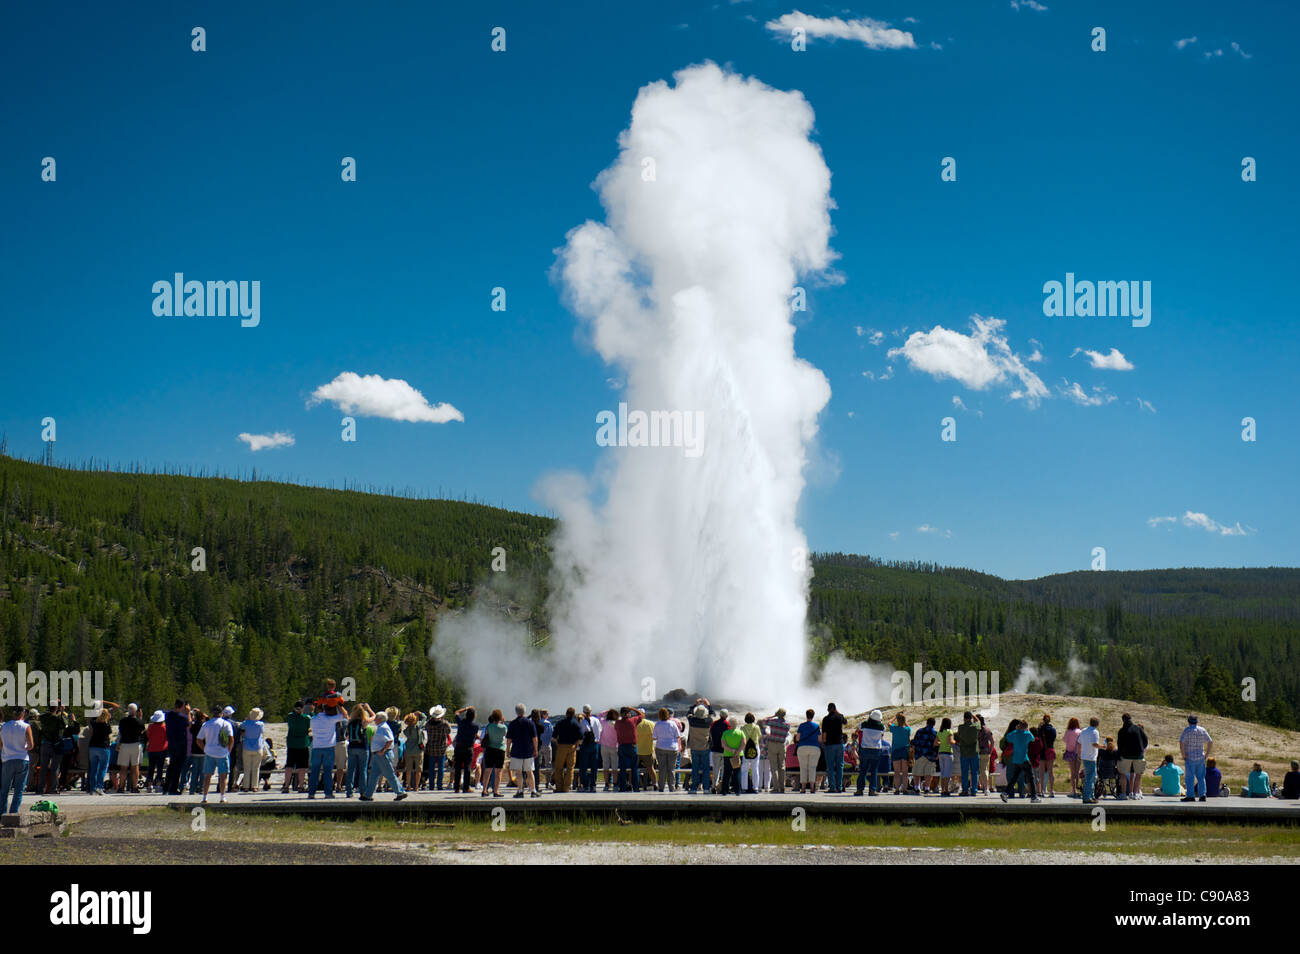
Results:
1075 392
1146 406
374 396
978 360
893 535
871 334
1028 5
1115 361
1236 48
257 442
1155 522
1184 42
883 376
1211 54
926 528
872 34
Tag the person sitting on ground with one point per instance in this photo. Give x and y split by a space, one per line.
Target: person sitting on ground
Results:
1213 778
1257 783
1170 775
1291 782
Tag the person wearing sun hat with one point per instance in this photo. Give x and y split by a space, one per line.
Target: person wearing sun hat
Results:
438 732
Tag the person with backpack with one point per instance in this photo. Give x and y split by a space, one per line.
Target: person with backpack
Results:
217 735
749 755
1047 758
733 744
381 744
412 750
358 736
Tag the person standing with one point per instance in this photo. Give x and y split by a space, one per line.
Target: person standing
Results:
218 736
177 724
666 739
1072 731
524 746
833 745
946 739
698 740
987 754
155 734
645 752
437 733
925 745
775 732
130 747
1131 741
1020 767
808 744
462 761
254 730
359 734
870 732
297 747
750 755
968 742
327 727
381 744
900 742
608 737
588 751
101 732
733 744
568 736
52 724
494 753
628 762
1047 758
16 744
1089 743
720 725
1195 745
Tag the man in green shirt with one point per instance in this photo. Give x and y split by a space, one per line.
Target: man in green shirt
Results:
968 745
733 744
52 724
297 746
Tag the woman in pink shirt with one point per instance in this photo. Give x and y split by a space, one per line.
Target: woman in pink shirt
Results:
1072 731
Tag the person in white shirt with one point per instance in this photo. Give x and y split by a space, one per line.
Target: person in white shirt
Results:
1089 743
380 745
328 726
17 742
218 736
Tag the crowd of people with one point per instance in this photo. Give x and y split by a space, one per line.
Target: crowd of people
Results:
333 745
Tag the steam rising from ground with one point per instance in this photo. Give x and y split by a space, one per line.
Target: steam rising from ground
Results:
672 570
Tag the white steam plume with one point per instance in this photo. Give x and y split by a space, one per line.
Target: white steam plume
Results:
687 571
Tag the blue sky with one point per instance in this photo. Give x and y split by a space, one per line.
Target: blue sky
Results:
473 165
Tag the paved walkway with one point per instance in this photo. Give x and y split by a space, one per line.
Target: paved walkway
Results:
77 805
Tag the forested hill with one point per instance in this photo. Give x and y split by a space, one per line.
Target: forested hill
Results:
302 583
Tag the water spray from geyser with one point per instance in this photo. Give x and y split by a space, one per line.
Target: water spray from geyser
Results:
689 571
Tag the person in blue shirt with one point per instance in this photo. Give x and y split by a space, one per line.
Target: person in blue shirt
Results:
900 740
1257 783
1020 737
1170 775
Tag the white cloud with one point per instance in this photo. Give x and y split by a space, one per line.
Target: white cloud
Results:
1028 5
257 442
1075 392
1185 42
1236 48
1200 521
1115 361
1146 406
375 396
872 34
1191 519
978 360
871 334
926 528
1210 54
883 376
893 535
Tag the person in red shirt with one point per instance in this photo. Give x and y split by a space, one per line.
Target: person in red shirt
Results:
156 738
625 731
